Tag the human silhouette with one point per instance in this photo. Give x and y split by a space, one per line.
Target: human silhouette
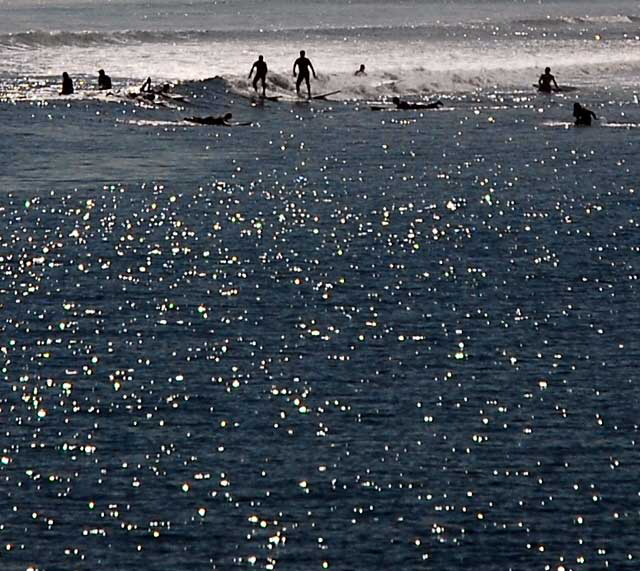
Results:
545 80
583 115
146 86
67 84
104 81
261 74
410 105
303 64
361 71
221 120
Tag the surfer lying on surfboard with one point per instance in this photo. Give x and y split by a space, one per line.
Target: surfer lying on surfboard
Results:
221 120
409 105
217 120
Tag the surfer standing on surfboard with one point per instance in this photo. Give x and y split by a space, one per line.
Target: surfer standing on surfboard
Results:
544 83
261 75
303 64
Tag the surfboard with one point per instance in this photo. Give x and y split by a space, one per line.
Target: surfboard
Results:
257 98
325 95
394 108
561 89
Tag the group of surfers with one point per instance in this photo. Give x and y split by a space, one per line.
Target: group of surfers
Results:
302 70
581 114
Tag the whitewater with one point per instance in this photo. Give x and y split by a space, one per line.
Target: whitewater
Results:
412 47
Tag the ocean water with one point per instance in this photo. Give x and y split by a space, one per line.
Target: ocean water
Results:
335 338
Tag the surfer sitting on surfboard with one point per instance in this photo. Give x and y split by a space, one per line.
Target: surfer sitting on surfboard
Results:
67 84
261 75
544 82
583 115
407 105
104 81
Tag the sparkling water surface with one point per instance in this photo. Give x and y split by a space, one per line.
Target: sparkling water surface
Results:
334 339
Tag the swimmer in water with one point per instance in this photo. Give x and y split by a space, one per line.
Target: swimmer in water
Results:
406 105
303 64
360 71
545 80
583 115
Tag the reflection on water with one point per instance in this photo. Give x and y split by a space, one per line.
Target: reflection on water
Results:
336 340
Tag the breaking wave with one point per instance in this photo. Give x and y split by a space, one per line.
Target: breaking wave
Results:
37 39
541 23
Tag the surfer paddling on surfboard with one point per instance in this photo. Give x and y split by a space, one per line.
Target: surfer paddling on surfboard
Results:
220 120
217 120
408 105
545 80
303 64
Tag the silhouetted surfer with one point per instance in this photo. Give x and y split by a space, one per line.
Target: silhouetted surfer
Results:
261 75
146 86
67 84
583 115
150 93
303 64
220 120
407 105
545 80
104 81
361 71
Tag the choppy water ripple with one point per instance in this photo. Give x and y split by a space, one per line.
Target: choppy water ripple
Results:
335 340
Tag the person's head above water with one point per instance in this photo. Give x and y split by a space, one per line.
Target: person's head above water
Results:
302 53
65 74
361 67
576 107
547 70
227 116
101 72
260 58
395 100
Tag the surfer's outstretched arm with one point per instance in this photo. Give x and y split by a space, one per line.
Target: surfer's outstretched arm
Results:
313 70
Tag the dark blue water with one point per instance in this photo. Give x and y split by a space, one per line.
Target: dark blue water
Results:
334 339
